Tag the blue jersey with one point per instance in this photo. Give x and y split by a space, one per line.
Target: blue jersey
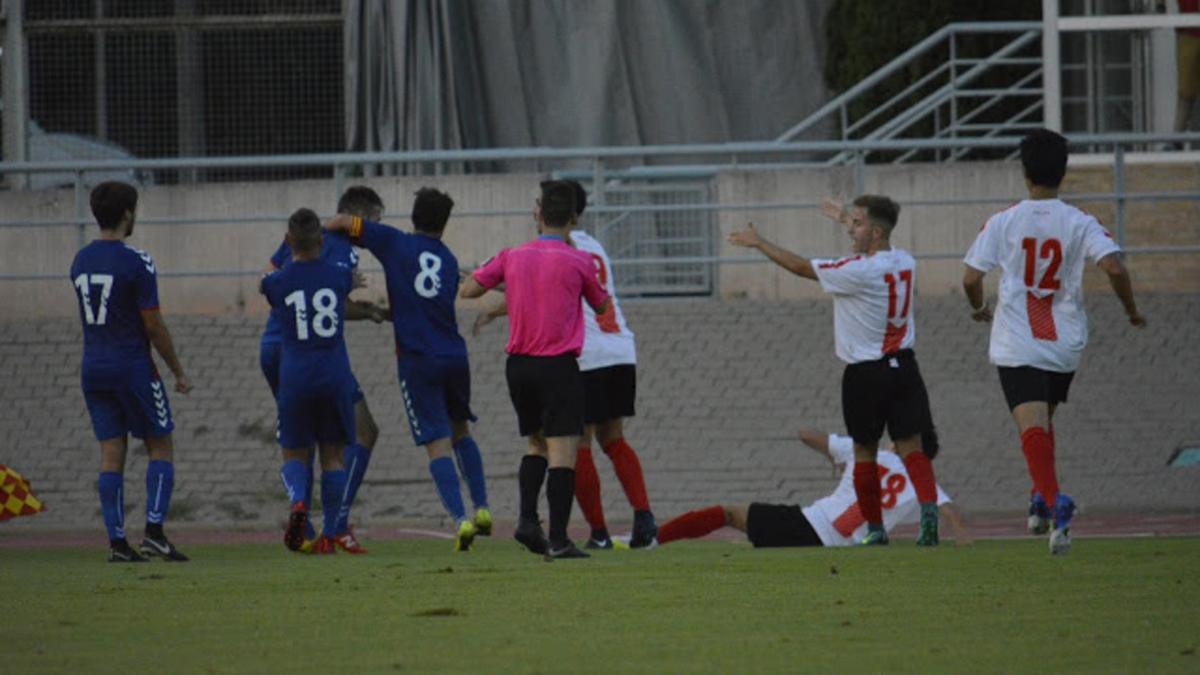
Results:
422 283
311 299
113 282
335 247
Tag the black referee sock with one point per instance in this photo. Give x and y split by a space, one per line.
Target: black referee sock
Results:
560 492
529 478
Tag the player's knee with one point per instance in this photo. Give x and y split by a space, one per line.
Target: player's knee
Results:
459 431
368 433
610 431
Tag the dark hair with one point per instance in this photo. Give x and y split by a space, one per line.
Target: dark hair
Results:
359 200
929 442
305 228
557 203
1044 156
880 210
580 196
431 210
110 201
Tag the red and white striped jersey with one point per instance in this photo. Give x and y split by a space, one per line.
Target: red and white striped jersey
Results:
872 303
1040 245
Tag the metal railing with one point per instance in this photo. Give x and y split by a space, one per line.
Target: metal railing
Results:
610 174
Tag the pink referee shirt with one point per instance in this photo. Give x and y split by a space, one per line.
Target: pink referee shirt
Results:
543 281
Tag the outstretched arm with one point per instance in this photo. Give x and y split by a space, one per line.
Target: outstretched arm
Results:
962 534
342 222
471 288
818 440
835 211
1118 278
973 287
794 263
160 337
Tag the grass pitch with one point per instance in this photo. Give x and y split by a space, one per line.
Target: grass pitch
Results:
1117 605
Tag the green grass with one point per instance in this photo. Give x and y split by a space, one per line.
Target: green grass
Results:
1130 605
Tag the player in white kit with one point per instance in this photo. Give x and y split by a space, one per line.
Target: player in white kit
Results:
1039 327
874 333
833 520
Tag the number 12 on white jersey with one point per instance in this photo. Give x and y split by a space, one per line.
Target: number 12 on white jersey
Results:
324 321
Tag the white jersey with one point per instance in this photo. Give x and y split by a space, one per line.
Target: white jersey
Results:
872 303
1041 246
837 519
607 340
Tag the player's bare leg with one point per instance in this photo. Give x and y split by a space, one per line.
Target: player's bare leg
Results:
560 493
920 472
611 436
112 498
160 484
470 465
866 488
530 478
1033 419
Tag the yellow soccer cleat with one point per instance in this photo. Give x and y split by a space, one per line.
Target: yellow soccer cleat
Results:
466 535
306 546
483 522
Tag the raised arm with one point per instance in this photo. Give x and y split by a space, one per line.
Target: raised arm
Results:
818 440
973 287
792 262
342 222
962 534
489 315
160 337
1118 278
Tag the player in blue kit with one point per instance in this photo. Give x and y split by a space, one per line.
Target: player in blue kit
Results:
117 288
364 202
435 376
316 389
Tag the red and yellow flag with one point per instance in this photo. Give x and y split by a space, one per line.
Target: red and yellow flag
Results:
16 497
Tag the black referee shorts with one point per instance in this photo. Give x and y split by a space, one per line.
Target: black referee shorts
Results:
609 393
547 393
779 525
1026 384
887 393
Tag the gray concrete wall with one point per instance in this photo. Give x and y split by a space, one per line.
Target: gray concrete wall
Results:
723 386
221 246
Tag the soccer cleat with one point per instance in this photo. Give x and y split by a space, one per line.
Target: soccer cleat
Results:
162 548
466 535
122 552
324 546
307 546
293 536
483 522
645 531
929 526
567 551
1039 515
605 544
531 535
348 543
875 538
1060 538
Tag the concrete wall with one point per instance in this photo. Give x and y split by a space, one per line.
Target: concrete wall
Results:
221 246
723 387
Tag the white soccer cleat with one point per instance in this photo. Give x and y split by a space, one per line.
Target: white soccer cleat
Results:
1060 541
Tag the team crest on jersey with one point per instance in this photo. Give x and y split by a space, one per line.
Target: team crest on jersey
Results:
146 259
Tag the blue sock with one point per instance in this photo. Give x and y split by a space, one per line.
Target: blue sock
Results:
295 480
446 480
356 458
160 483
333 485
112 503
470 463
309 532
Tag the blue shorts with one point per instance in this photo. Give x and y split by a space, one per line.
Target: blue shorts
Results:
311 414
436 391
137 406
270 354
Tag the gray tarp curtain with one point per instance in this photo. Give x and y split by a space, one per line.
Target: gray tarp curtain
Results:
443 74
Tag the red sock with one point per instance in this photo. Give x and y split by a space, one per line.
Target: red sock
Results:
587 489
629 472
692 525
866 487
1038 445
920 472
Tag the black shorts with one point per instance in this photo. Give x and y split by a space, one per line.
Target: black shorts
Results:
547 393
885 393
609 393
777 525
1025 384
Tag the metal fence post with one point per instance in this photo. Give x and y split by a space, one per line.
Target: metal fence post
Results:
860 178
339 180
598 182
1119 190
80 209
